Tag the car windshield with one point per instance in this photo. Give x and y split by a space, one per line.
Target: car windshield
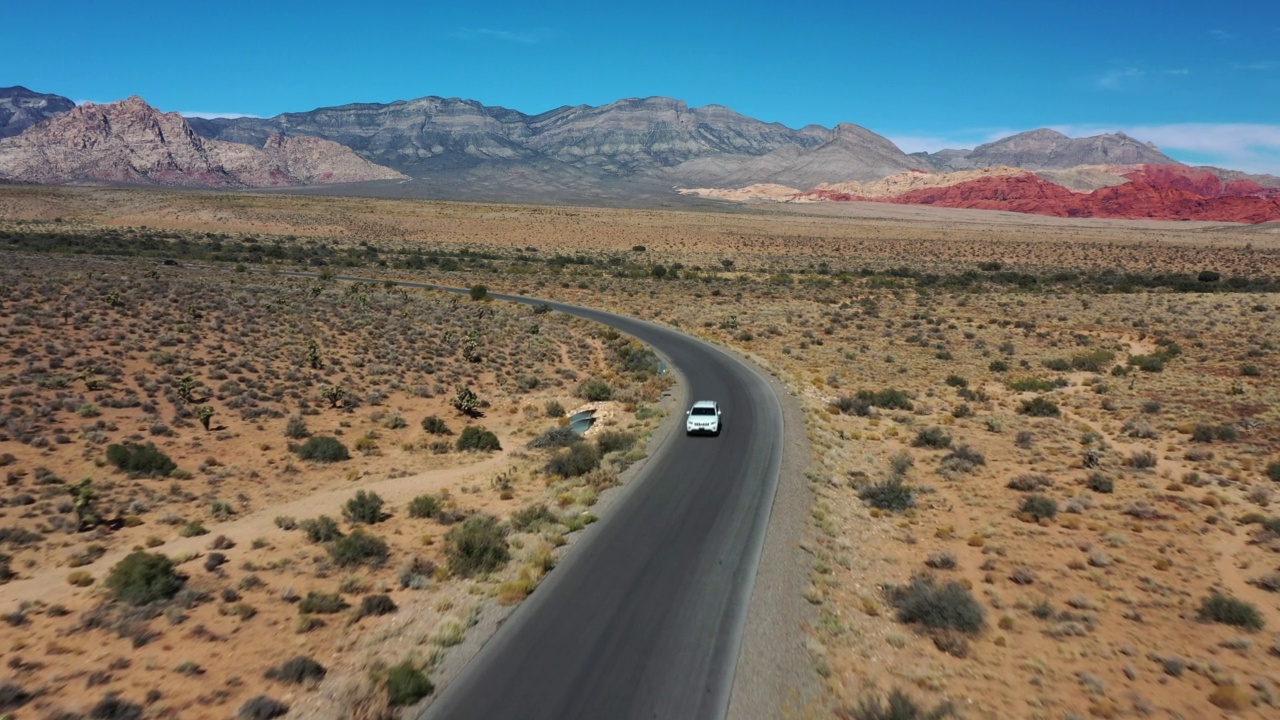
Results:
704 411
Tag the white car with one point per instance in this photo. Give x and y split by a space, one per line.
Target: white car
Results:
703 418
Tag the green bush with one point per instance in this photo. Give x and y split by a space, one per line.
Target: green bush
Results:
532 517
296 428
1100 483
999 366
323 449
261 707
889 399
897 706
1033 384
1039 507
359 548
477 438
1231 611
479 292
934 437
574 461
556 437
143 577
407 685
365 507
434 425
615 440
1039 407
374 605
1057 364
553 409
321 529
595 390
140 459
424 506
1093 361
956 381
322 603
297 670
478 545
1273 470
938 607
892 495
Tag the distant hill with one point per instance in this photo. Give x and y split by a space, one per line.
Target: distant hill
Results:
21 108
131 142
1046 149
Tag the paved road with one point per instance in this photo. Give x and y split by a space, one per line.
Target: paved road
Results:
644 617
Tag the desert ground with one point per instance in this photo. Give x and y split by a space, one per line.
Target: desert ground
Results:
1046 453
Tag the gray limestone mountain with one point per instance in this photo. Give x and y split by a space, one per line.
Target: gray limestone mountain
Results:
1046 149
21 108
131 142
651 138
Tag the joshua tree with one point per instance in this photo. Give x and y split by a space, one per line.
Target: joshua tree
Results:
313 355
465 400
334 395
187 388
205 413
84 501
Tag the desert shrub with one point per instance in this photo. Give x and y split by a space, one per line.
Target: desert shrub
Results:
112 707
424 506
1148 363
889 399
407 685
296 428
12 696
852 405
1057 364
1030 481
1141 459
297 670
614 440
897 706
143 577
941 560
1092 361
1033 384
999 366
479 292
1219 608
1273 470
595 390
435 425
576 460
963 459
6 568
374 605
261 707
322 603
891 494
321 529
531 518
938 607
325 449
1251 371
556 437
477 438
365 507
1100 483
140 459
934 437
359 548
553 409
956 381
1039 407
193 529
1039 507
478 545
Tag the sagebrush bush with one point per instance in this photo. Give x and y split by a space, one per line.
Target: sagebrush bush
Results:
374 605
365 507
1226 610
1273 470
891 494
557 437
435 425
478 545
140 459
934 437
297 670
479 439
325 449
321 529
1100 483
322 603
359 548
897 706
614 440
424 506
407 685
1039 507
296 428
143 577
938 607
553 409
1039 407
574 461
531 518
261 707
595 390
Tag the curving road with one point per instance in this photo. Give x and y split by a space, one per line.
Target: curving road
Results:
643 618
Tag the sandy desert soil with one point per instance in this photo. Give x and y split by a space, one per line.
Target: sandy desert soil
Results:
1065 432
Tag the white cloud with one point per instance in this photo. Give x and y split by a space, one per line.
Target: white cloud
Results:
1265 65
1119 78
214 115
522 37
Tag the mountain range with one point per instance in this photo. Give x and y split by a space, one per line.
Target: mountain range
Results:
637 149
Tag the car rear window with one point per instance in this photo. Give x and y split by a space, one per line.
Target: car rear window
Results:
704 411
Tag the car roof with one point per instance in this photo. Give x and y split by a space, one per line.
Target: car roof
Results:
705 403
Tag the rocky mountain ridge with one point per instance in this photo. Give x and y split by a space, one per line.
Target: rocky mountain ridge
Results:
21 108
1046 149
131 142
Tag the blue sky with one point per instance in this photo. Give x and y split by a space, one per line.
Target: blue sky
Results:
1199 80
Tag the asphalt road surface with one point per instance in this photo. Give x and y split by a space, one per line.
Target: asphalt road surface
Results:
643 617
